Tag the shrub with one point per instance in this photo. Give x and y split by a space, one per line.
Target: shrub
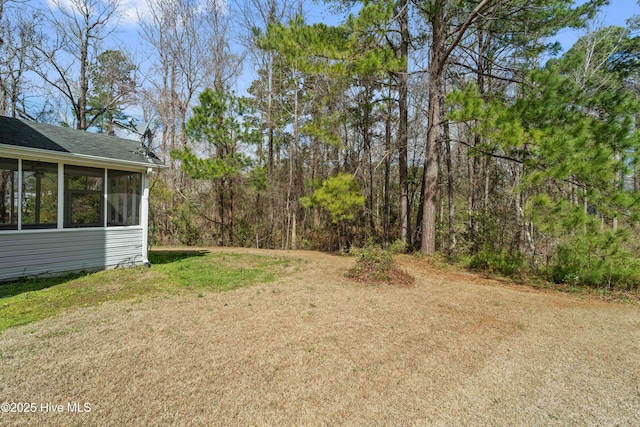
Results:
500 261
598 259
185 223
399 246
372 263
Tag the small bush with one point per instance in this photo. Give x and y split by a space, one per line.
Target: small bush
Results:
372 263
185 223
399 246
500 261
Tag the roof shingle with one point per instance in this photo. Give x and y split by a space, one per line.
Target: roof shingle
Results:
65 140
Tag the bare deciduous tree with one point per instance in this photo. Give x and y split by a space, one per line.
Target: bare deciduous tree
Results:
191 50
64 58
18 32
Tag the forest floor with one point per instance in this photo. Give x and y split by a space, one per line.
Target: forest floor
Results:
317 348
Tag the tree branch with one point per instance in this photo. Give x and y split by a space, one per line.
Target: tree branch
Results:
493 76
463 29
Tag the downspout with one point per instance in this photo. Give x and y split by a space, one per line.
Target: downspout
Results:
144 216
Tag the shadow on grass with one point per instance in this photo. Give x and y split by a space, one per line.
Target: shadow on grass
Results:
158 257
9 289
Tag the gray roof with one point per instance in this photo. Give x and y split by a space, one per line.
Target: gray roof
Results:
65 140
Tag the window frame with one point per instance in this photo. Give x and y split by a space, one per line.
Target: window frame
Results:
64 170
71 171
48 168
14 196
126 204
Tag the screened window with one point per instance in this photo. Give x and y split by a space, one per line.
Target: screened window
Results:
39 195
83 197
8 194
123 197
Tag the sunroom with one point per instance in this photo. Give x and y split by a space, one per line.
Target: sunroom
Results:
71 200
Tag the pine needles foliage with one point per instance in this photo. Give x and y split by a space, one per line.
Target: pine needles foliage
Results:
601 259
340 196
573 146
500 261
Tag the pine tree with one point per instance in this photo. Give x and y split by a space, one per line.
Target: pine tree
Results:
225 124
574 147
341 197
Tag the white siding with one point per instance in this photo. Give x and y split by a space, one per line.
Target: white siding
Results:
43 252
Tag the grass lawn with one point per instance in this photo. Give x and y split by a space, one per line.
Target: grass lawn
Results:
173 272
308 345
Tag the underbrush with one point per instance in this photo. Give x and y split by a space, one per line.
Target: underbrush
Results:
500 262
603 261
375 265
574 269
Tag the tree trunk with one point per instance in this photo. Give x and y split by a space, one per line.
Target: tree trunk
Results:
270 118
450 199
366 136
81 113
435 72
230 214
387 172
438 56
403 106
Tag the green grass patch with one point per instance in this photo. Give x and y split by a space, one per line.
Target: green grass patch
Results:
221 271
173 272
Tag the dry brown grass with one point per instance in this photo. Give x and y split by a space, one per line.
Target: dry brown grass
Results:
316 349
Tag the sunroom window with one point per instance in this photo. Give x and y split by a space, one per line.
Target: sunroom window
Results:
39 194
123 196
83 196
8 194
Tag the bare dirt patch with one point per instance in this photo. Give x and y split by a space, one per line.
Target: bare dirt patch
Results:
315 348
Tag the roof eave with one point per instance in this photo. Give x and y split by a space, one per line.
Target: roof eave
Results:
74 158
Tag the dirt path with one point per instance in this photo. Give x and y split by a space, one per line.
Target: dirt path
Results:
317 349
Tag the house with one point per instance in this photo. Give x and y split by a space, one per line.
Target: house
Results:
71 200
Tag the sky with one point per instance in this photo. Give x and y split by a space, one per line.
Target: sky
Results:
616 13
127 38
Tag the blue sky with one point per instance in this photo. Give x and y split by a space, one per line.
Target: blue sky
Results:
619 11
616 13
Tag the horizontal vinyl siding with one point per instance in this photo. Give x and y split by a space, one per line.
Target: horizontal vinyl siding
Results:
42 252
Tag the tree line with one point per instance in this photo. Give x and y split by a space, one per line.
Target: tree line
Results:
451 126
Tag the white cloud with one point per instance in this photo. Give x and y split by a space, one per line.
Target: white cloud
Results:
132 9
129 10
67 4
